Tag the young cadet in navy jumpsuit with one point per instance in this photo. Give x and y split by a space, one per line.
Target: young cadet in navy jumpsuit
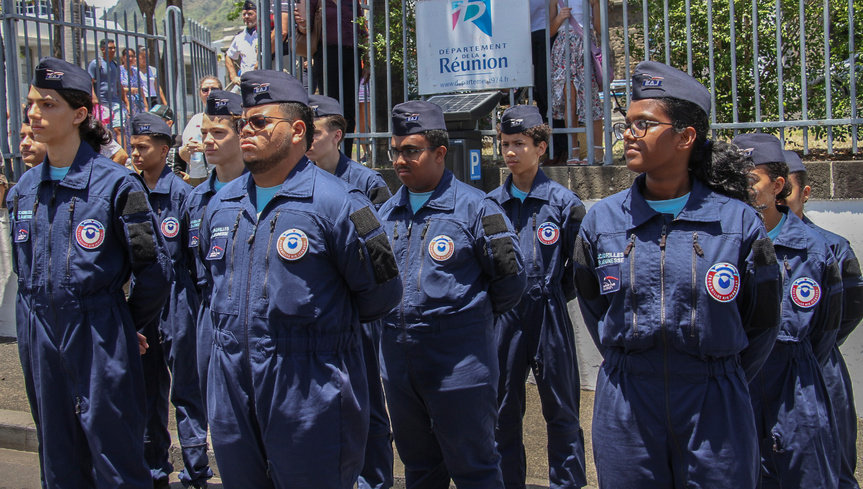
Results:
170 367
330 128
538 334
796 426
461 265
679 287
835 371
81 226
221 143
297 260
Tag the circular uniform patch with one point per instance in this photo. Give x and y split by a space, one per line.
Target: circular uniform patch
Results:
170 227
548 233
441 248
805 292
293 244
90 234
723 282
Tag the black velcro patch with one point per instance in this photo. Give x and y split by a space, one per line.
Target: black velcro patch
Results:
853 302
577 213
365 221
580 252
379 195
585 281
766 314
383 261
503 254
763 252
851 268
135 202
141 238
494 224
833 275
834 319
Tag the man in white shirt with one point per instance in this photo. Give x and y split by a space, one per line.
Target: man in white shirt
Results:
244 47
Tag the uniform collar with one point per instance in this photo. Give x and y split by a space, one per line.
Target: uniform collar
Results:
793 233
79 172
442 198
300 183
699 207
343 165
163 184
540 189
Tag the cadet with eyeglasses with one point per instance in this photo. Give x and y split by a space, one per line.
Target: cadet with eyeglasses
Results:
297 260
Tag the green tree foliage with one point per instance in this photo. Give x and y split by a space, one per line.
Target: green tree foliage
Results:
798 54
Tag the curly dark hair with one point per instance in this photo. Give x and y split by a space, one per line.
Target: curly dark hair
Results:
91 130
719 165
539 134
437 137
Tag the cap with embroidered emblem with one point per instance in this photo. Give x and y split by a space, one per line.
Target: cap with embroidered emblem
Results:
520 118
147 124
652 79
262 87
324 106
415 117
56 74
220 102
760 148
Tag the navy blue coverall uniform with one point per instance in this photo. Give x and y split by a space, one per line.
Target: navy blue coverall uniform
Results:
287 395
793 414
75 244
461 265
175 331
684 311
377 469
193 210
835 371
538 334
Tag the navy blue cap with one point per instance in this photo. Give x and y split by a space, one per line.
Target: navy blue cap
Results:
793 160
520 118
417 116
652 79
324 106
250 5
56 74
263 87
220 102
147 124
761 148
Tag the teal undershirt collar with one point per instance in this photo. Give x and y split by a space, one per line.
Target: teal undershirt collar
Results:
774 233
518 194
670 206
418 199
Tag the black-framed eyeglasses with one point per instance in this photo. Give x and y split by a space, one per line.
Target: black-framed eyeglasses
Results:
258 121
638 128
409 154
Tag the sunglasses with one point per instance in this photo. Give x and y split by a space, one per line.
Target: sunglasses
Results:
259 122
207 89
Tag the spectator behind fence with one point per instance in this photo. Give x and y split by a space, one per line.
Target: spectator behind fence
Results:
562 23
128 75
192 148
336 71
107 82
147 81
244 47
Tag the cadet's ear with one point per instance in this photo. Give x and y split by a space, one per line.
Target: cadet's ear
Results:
440 154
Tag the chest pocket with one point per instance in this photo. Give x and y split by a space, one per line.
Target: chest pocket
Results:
446 261
225 258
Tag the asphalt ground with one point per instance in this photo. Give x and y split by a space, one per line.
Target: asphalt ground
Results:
13 398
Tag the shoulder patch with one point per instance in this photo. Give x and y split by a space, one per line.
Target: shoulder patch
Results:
494 224
577 212
135 202
365 221
379 195
763 252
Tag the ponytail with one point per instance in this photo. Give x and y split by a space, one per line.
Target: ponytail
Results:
91 130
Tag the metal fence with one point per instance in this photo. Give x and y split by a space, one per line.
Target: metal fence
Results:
785 66
71 30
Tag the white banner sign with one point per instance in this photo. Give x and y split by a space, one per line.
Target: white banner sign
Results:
473 45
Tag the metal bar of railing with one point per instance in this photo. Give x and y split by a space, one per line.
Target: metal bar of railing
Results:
732 24
606 85
780 86
373 94
264 31
9 74
711 67
755 59
828 85
587 57
279 29
852 74
646 28
667 31
804 85
627 70
688 39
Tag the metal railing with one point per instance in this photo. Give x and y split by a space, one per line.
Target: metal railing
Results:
73 32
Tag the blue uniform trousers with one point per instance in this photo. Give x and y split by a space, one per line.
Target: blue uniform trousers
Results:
377 471
172 370
657 412
839 387
87 353
441 385
802 441
537 334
